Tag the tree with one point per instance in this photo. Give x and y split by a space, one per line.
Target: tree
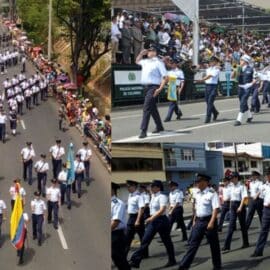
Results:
88 31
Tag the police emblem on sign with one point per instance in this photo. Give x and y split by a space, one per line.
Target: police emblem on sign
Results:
131 76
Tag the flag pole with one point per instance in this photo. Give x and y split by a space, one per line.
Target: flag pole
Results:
196 34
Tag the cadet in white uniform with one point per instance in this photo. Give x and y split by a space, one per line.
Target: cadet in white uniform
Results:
54 201
118 225
65 187
3 121
79 173
42 168
27 154
3 214
158 222
38 208
204 223
86 154
255 201
13 192
238 209
57 152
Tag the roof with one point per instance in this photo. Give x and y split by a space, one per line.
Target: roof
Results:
242 154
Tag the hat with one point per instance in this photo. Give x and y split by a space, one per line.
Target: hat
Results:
235 174
85 143
176 60
255 173
246 58
43 155
58 141
114 186
157 183
37 193
132 183
172 183
201 176
78 155
28 143
152 48
142 186
54 181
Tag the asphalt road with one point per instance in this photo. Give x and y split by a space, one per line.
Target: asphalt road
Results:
236 259
191 127
85 227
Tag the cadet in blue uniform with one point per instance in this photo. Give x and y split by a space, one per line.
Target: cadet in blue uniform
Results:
204 223
118 222
262 239
225 208
135 210
154 78
158 222
211 82
245 84
238 209
256 198
176 210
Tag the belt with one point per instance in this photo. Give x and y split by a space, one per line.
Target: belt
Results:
148 85
203 218
211 84
235 201
133 215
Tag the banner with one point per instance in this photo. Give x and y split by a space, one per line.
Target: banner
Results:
188 7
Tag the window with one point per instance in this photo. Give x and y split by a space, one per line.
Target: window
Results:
137 164
242 166
228 163
170 157
187 154
253 164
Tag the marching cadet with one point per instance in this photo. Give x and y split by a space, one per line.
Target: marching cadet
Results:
146 197
256 198
154 78
158 222
86 154
54 201
79 173
204 223
3 214
27 154
42 168
20 99
225 208
13 121
65 187
38 208
176 210
3 120
27 95
13 192
118 225
237 209
135 208
57 152
262 239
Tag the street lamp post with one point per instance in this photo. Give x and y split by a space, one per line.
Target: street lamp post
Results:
243 23
50 31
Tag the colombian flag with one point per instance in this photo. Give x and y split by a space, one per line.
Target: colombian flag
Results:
70 165
17 226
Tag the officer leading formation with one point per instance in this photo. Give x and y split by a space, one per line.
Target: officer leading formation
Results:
148 213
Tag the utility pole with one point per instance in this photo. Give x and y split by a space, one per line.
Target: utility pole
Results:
50 31
196 34
243 23
236 157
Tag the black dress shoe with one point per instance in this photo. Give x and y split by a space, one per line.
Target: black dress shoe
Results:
166 120
249 120
142 135
179 116
225 249
207 121
237 123
245 246
157 130
256 255
134 265
215 116
169 264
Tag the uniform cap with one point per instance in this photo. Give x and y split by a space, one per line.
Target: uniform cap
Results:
157 183
37 193
78 156
143 186
246 58
43 155
28 143
85 143
58 141
201 176
132 183
255 173
54 181
227 178
172 183
235 174
153 48
114 186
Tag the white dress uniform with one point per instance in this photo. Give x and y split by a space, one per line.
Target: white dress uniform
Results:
38 207
135 202
158 200
57 152
53 197
238 192
3 207
254 188
118 212
175 197
28 153
13 194
86 155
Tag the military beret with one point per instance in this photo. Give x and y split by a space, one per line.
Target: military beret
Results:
157 183
132 183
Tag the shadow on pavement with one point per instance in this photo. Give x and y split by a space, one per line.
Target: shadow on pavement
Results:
29 255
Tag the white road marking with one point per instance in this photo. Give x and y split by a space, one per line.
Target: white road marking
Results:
170 134
23 124
62 237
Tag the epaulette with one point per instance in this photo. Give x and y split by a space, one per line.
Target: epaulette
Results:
115 201
212 190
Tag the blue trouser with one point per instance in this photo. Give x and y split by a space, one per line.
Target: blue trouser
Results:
255 101
210 95
173 107
228 83
254 205
198 231
224 210
65 191
177 216
1 220
242 220
57 166
243 95
265 89
37 221
150 109
53 207
42 179
87 171
27 171
131 230
160 225
77 184
2 132
264 231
